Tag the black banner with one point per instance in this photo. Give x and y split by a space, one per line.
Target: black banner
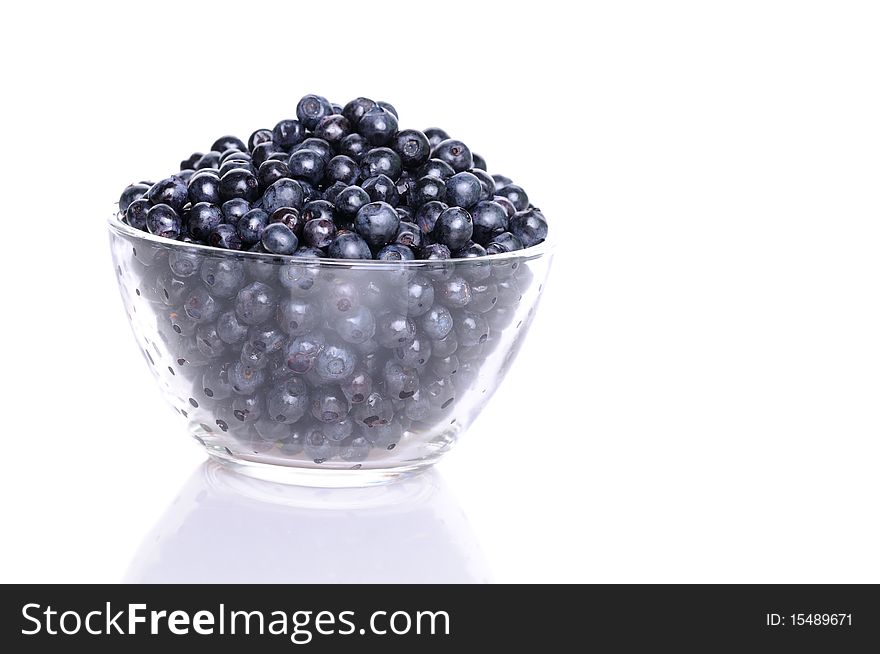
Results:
434 618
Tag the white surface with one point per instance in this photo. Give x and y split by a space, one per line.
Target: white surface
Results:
698 398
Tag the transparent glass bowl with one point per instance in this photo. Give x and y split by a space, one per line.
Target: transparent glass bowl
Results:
341 378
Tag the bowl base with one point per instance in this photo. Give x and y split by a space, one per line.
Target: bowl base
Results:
328 478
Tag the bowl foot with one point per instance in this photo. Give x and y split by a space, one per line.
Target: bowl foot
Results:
327 478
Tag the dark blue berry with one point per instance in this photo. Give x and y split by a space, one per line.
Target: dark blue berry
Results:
516 195
394 329
348 245
333 128
228 143
306 164
278 238
490 219
436 168
263 151
427 215
350 200
190 162
318 209
354 146
288 133
329 405
162 220
437 322
255 303
377 125
259 137
230 329
302 351
204 186
319 232
183 263
290 217
283 193
172 192
239 183
131 193
454 292
271 171
426 189
297 315
395 252
203 218
332 192
380 161
335 362
529 226
505 204
342 169
486 183
311 109
314 144
435 136
223 275
505 242
455 153
479 162
200 306
412 147
454 228
208 160
136 214
381 189
356 326
377 223
224 236
356 108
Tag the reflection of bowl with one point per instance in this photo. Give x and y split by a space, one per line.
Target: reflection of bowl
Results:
348 379
225 528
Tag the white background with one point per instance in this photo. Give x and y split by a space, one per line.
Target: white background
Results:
698 398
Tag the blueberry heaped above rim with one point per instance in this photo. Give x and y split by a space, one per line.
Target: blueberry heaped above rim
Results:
341 182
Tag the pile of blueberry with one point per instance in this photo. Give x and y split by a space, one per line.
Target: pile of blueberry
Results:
334 363
342 182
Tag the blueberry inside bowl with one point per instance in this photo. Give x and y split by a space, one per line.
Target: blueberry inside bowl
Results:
316 309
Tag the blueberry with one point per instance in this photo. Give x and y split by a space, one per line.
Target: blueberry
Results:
131 193
204 186
415 355
354 146
262 153
283 193
171 290
408 234
355 448
434 252
239 183
529 226
350 200
271 431
306 164
405 213
357 387
394 329
290 217
255 303
454 228
377 223
340 297
190 162
228 143
426 189
223 276
247 409
335 362
287 401
435 136
311 108
288 133
200 306
215 382
487 184
419 296
331 192
437 322
375 411
505 242
183 263
412 147
356 326
320 146
172 192
436 168
329 405
440 392
244 379
427 215
258 138
384 436
418 407
471 329
208 160
233 210
230 329
251 225
490 220
395 252
455 153
400 381
516 195
271 171
479 162
234 154
224 236
463 190
454 292
208 341
278 238
377 126
444 366
355 109
318 209
317 446
302 351
202 219
136 213
298 316
338 431
381 189
348 245
444 347
342 169
319 233
380 161
300 277
333 128
162 220
505 204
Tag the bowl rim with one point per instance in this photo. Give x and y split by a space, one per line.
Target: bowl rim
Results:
118 226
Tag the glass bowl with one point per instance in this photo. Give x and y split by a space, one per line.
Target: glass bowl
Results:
325 372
